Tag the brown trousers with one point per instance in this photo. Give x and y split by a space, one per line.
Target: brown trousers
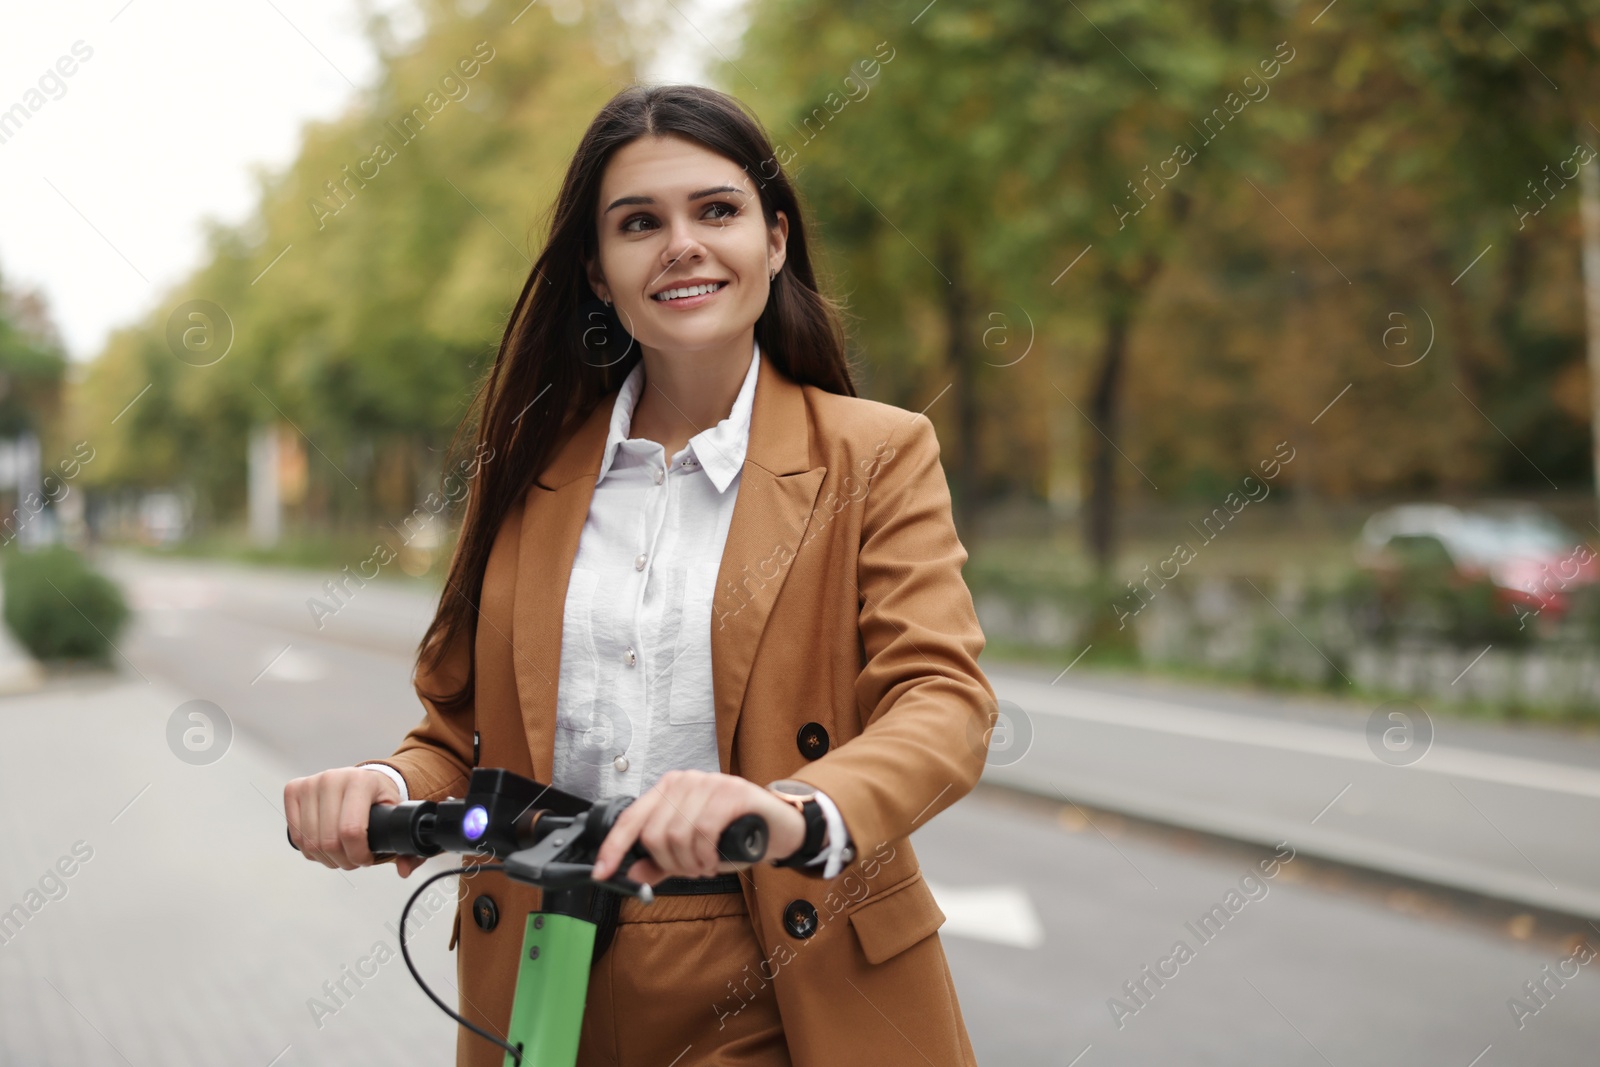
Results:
680 986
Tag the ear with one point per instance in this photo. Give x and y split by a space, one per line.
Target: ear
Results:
778 243
597 280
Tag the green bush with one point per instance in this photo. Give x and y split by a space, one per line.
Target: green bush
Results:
59 607
1026 581
1582 622
1426 602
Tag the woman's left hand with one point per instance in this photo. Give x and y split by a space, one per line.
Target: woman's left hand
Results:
680 819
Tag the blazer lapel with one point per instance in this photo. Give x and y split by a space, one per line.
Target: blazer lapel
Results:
552 522
777 491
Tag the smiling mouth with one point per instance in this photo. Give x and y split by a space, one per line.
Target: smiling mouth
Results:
667 296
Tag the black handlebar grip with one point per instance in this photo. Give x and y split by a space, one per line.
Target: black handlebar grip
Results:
744 840
404 829
395 829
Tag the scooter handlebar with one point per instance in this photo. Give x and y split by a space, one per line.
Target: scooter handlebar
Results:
407 829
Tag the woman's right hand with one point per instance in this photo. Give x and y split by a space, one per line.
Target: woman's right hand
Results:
328 815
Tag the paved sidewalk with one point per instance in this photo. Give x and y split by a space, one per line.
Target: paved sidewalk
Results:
188 931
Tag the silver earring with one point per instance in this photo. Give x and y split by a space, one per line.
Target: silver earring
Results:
771 274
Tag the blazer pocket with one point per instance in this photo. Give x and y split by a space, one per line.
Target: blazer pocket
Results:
893 921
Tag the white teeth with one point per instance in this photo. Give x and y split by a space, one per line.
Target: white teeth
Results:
693 290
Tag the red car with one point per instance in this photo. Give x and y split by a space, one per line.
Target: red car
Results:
1533 560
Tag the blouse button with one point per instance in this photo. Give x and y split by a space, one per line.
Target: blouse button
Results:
659 475
638 562
620 763
629 658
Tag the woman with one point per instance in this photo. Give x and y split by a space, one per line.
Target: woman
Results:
730 572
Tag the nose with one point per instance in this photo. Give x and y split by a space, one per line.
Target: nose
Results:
681 245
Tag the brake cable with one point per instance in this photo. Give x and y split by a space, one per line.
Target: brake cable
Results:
405 952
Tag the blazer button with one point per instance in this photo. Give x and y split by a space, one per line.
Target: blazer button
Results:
484 913
800 918
813 740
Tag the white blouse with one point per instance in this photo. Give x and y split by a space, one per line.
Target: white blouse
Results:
634 698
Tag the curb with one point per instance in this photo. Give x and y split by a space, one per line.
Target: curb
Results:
1329 845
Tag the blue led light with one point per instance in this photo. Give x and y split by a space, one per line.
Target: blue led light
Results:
475 822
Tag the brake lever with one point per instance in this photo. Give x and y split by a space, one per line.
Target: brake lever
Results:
620 883
544 866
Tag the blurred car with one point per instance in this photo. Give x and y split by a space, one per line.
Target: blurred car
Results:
1532 559
163 518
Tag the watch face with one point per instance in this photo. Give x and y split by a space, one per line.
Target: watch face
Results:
791 788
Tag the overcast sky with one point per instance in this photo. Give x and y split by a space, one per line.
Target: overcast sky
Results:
103 188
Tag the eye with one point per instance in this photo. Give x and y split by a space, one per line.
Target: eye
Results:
728 212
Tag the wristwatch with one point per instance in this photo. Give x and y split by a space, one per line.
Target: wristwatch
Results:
803 796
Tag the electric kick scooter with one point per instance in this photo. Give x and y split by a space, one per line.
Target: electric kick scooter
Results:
546 838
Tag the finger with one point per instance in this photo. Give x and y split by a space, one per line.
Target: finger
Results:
723 820
720 800
310 846
406 864
677 834
654 835
740 799
291 814
618 840
700 808
623 833
353 815
330 802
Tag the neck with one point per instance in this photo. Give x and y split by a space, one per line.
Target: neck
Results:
687 392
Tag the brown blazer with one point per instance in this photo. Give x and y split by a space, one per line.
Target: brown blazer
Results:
842 622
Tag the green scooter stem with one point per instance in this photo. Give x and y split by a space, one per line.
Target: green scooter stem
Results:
552 988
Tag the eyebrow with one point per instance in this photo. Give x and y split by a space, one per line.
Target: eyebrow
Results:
696 195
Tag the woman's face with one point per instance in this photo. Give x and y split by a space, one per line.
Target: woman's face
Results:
673 214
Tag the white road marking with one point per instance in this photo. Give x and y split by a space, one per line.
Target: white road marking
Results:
1000 913
293 665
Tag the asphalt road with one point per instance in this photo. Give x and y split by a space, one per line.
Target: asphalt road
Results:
1057 908
1499 810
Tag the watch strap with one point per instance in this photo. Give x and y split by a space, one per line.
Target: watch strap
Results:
811 847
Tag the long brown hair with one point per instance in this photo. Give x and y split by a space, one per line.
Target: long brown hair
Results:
555 363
